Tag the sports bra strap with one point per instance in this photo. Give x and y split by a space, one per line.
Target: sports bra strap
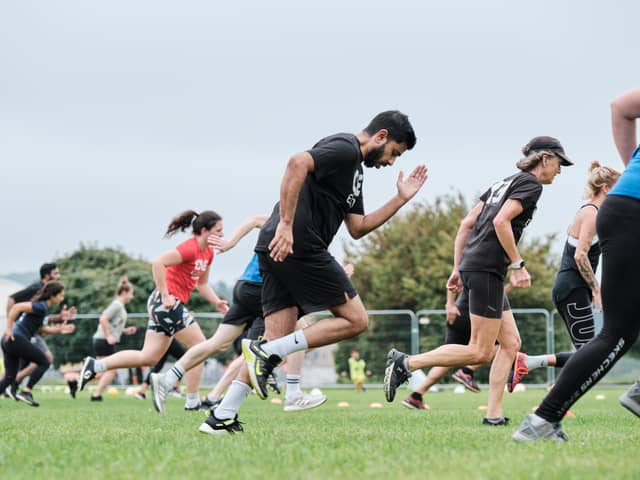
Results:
589 205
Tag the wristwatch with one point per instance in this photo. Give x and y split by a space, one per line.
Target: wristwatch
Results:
517 265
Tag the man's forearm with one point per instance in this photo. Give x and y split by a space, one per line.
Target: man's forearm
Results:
378 217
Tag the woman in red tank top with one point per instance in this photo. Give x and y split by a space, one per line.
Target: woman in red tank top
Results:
176 273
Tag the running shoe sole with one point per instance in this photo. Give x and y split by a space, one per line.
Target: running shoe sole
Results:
251 360
158 404
82 381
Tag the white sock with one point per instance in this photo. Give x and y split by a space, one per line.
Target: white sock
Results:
294 342
537 361
237 393
173 376
293 386
212 398
192 400
99 366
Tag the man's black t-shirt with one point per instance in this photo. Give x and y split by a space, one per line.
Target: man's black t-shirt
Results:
27 293
331 191
483 251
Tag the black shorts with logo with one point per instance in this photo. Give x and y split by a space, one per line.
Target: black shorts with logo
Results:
102 348
166 321
312 283
486 294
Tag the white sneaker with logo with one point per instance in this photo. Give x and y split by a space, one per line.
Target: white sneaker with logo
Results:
303 402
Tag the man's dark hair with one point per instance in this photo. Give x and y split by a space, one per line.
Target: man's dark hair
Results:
397 124
46 269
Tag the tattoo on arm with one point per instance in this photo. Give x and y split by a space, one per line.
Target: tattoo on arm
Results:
584 267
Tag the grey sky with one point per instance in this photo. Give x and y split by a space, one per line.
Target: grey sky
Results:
115 116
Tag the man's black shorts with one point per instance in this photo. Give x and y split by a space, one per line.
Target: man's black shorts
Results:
312 283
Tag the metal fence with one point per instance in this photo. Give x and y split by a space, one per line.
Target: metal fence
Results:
405 330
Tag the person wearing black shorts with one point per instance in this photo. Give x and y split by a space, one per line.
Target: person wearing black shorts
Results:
111 326
576 287
618 228
321 188
458 332
24 321
485 250
244 316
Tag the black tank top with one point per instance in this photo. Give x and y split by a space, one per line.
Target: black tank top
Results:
568 277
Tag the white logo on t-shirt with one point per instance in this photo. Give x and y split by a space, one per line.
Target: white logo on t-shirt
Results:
357 188
498 190
199 268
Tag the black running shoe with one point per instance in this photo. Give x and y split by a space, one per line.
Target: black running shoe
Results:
260 365
210 404
272 383
96 399
395 374
215 426
88 372
11 391
27 398
198 408
73 387
496 422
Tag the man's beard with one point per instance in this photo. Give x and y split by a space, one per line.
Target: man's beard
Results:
372 159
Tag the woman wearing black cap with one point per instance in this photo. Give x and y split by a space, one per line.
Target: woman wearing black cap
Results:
485 249
576 287
618 228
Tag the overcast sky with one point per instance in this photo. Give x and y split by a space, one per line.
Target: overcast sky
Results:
115 116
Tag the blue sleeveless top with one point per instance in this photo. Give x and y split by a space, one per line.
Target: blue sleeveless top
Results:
252 272
629 183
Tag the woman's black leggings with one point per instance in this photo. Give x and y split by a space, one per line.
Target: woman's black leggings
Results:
22 348
577 313
176 350
618 227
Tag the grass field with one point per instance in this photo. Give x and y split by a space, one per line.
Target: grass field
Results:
123 438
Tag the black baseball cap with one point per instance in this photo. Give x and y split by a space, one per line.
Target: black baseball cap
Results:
549 144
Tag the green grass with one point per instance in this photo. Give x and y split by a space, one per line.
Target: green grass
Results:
123 438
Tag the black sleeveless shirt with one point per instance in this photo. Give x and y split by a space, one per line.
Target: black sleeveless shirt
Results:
568 277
